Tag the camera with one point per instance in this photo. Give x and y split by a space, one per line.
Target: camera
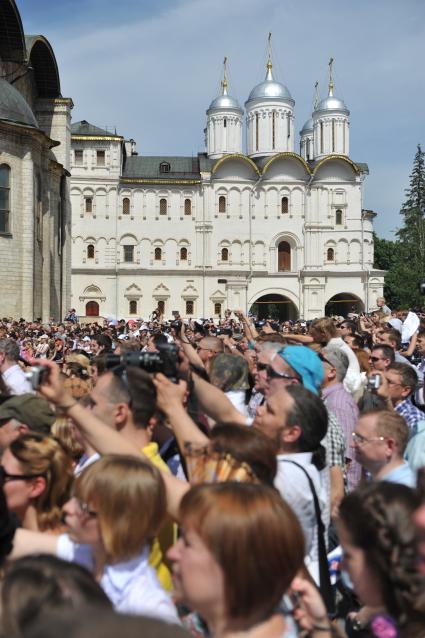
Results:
164 361
36 376
374 382
224 331
259 324
177 325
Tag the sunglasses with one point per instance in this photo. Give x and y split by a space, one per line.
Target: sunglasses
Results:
374 359
5 477
272 374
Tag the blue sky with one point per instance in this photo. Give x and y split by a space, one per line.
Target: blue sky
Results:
150 68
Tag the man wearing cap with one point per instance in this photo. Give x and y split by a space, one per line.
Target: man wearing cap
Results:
13 376
22 413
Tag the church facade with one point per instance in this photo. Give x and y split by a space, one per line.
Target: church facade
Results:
35 141
278 229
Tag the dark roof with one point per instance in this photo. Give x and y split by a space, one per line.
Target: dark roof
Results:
148 167
13 107
85 128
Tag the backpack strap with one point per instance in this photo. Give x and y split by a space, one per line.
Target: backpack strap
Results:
324 578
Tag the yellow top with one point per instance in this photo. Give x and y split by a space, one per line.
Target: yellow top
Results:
168 533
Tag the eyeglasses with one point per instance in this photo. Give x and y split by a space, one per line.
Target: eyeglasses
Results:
85 509
359 439
273 374
5 477
374 359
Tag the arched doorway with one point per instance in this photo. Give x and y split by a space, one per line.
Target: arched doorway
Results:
283 256
92 309
274 306
342 304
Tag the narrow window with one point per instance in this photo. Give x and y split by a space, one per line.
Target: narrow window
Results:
217 309
187 207
161 307
225 123
343 137
126 206
284 205
163 206
128 254
221 204
158 254
333 136
273 130
164 167
100 158
132 307
92 309
330 255
4 198
78 157
224 254
183 254
189 307
257 122
39 209
89 204
284 256
338 217
90 251
321 137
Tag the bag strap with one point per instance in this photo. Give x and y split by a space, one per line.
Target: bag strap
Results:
324 577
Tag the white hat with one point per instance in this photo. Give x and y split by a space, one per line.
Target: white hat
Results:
44 336
86 338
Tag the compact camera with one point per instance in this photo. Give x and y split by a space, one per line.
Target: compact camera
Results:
374 382
36 376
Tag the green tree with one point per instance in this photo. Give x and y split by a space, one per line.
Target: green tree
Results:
412 233
389 256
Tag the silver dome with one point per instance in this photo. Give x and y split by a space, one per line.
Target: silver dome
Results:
308 127
224 102
270 89
331 103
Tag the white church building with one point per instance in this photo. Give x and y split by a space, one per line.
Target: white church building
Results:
278 228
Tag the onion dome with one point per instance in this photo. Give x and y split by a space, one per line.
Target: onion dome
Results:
270 89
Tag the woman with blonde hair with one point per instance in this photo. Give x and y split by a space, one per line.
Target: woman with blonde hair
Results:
117 509
36 473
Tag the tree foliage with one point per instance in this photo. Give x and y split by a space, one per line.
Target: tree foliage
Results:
404 258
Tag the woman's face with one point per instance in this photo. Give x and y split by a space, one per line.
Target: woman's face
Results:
82 524
365 581
18 492
198 578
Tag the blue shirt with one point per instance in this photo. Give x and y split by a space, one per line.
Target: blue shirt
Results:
411 414
402 475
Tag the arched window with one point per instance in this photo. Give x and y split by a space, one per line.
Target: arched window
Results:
217 309
284 256
126 206
4 198
221 204
132 307
330 254
158 254
90 251
161 306
128 254
163 206
89 204
164 167
92 309
187 207
284 206
189 307
183 254
224 254
338 217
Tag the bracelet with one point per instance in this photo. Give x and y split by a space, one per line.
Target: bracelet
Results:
66 406
322 628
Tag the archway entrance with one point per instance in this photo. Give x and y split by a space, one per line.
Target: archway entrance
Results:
274 306
92 309
342 304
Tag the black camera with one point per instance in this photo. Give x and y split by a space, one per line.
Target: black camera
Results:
177 325
259 324
224 331
164 361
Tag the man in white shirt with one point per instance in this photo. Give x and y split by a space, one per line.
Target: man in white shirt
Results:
13 376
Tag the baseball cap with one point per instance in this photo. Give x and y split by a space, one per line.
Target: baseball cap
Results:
29 409
306 363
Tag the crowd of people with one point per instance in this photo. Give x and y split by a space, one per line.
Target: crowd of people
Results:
213 478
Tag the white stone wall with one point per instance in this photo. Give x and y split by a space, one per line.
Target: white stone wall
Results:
262 114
